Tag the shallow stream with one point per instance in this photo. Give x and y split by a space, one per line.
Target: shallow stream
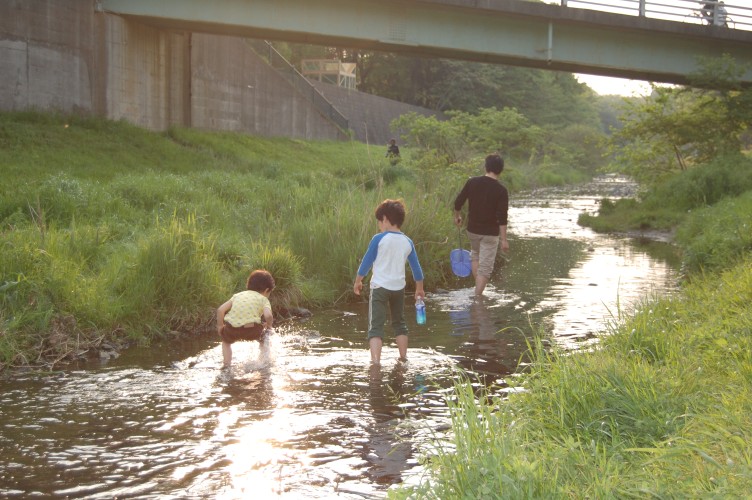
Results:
310 418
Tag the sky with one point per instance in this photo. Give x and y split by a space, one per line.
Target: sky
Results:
604 85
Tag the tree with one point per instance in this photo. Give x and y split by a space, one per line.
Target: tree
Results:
610 110
546 98
678 127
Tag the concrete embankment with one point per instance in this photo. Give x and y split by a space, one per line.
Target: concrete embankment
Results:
70 57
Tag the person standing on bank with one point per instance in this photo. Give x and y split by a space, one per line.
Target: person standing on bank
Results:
488 202
393 152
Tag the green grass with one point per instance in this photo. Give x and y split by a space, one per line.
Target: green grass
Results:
661 409
130 234
667 204
110 231
718 237
627 214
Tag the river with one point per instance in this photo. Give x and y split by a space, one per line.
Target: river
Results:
309 418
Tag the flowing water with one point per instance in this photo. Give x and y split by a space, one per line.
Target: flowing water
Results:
308 417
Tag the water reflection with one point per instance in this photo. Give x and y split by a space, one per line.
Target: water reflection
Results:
387 454
491 344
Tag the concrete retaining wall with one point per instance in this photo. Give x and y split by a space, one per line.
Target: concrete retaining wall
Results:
147 74
234 89
369 115
64 55
46 55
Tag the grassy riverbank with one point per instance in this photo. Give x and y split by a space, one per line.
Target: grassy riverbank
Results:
111 233
661 409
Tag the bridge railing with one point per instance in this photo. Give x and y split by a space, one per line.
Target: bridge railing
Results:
709 12
301 83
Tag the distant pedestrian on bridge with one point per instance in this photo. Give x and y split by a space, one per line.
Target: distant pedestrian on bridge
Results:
714 13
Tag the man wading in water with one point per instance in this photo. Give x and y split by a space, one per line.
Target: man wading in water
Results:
486 219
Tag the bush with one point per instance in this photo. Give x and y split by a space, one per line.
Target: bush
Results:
703 185
667 204
172 277
717 237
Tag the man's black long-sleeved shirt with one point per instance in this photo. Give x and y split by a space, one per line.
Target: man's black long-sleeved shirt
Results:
488 205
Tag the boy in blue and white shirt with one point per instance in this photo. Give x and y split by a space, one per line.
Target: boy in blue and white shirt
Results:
387 254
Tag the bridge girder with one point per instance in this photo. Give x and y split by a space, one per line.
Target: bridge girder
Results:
512 32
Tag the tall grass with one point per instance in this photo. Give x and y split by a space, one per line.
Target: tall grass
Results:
132 234
661 407
660 410
168 278
666 204
717 237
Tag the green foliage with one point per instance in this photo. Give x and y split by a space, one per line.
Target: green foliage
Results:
717 237
665 204
506 131
285 267
703 185
440 138
610 110
724 75
51 292
627 215
548 156
711 205
578 146
170 277
465 135
546 98
92 251
680 127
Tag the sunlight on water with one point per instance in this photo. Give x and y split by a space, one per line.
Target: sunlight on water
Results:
600 289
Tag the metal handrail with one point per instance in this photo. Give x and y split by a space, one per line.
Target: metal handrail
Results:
277 61
689 11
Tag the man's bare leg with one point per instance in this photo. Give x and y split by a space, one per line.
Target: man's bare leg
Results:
375 343
480 284
480 281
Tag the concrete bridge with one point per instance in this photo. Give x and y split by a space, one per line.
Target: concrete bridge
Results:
513 32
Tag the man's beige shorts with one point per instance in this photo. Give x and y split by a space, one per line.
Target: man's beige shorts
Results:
483 249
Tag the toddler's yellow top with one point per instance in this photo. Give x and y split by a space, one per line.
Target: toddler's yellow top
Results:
247 307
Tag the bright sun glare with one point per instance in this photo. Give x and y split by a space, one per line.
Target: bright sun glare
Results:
604 85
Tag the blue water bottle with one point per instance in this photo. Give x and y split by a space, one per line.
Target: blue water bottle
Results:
420 311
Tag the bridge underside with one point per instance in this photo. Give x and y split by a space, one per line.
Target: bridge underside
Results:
512 32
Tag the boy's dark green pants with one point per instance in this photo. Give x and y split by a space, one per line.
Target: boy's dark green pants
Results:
382 302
